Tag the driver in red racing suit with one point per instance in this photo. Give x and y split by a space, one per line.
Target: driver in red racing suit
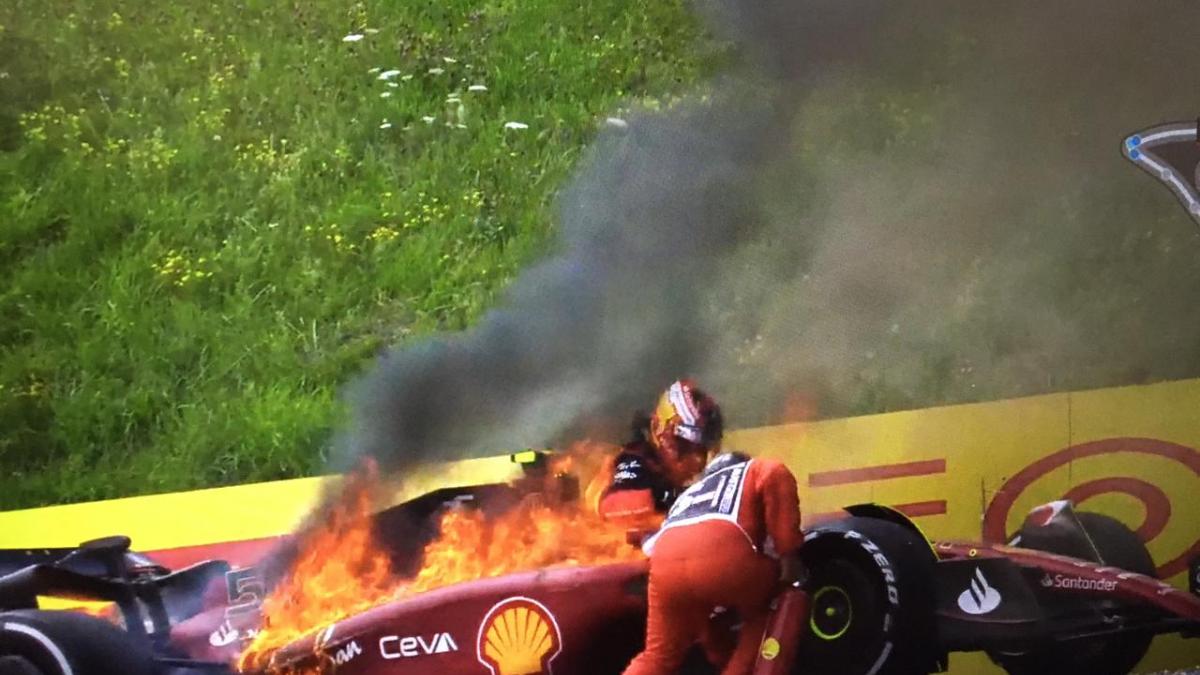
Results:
649 471
721 545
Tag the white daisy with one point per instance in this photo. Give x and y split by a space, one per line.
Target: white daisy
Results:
388 74
616 122
385 94
427 119
353 37
392 85
449 59
477 87
385 125
436 71
515 125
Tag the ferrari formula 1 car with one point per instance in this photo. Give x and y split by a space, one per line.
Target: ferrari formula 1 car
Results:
1072 593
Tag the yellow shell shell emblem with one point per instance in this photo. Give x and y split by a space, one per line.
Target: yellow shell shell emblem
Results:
519 636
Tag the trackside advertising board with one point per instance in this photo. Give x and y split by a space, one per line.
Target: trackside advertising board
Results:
966 472
236 523
974 471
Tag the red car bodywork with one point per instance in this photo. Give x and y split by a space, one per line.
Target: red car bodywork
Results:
1121 584
593 617
583 620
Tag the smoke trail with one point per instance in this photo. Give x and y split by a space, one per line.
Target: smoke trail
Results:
960 224
886 205
591 332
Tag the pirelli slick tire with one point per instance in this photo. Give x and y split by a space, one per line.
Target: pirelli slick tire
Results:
872 610
68 643
1119 654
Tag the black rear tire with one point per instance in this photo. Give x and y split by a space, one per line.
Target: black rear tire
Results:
1118 545
1119 654
870 590
56 643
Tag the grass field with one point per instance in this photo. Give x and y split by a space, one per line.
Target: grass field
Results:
213 215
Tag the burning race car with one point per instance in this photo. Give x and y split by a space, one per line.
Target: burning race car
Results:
1072 593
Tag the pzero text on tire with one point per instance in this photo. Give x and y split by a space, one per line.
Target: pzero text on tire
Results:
872 610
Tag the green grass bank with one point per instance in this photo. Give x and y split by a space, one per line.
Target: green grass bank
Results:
213 215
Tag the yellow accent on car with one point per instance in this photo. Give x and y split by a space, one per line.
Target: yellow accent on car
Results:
525 457
770 649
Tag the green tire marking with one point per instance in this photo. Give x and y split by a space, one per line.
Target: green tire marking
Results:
829 612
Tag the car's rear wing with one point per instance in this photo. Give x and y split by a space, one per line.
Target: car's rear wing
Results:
151 598
84 559
13 559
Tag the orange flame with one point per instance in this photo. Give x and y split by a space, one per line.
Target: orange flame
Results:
98 609
797 407
342 570
531 536
339 571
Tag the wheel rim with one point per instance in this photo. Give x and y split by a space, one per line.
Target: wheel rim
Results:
832 613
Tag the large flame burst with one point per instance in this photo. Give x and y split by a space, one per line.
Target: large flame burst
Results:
531 536
341 570
338 571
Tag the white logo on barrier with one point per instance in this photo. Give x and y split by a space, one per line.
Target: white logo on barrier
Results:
979 598
397 647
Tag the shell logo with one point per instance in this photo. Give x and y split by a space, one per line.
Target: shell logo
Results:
518 636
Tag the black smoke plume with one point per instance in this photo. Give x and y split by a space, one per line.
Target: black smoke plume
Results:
589 334
883 205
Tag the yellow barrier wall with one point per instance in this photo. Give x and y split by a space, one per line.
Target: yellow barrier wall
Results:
1129 452
216 515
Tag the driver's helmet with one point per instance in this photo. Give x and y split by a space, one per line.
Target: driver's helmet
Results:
685 420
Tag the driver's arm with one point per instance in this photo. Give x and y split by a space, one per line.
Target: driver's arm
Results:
792 570
781 508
